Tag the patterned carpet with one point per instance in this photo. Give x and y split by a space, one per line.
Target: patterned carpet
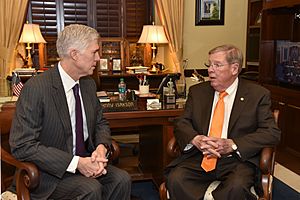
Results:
146 190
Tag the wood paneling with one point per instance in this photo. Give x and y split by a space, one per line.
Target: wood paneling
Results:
280 21
111 18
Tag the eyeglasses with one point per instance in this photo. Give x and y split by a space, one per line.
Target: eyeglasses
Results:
216 65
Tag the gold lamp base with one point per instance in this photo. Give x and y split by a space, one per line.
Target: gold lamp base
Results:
29 59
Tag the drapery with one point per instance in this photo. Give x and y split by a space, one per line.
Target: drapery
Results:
12 15
170 13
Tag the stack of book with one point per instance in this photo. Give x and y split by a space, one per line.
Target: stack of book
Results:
103 97
137 70
25 71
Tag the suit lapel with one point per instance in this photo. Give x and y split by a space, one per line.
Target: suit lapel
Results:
208 108
240 101
60 102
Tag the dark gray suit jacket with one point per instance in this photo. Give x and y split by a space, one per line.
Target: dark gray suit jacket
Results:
41 131
251 123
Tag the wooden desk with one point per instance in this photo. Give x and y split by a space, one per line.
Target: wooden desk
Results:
155 128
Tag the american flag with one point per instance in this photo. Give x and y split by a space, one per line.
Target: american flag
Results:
17 84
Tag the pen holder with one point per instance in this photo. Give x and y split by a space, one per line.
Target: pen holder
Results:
144 89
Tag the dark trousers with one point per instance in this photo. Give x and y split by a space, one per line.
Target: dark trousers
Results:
189 181
116 184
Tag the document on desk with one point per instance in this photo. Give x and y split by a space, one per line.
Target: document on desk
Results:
103 97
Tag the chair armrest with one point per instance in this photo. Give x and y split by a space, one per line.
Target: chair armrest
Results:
116 150
267 168
27 176
163 191
173 149
266 160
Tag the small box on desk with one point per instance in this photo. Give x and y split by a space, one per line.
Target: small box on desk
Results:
142 100
170 98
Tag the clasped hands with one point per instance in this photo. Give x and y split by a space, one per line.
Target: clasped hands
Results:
94 166
212 146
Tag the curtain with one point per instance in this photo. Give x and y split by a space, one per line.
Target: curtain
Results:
12 15
170 13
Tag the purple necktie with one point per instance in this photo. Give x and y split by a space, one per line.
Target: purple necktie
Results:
80 146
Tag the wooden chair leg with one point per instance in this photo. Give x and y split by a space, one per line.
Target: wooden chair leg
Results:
163 191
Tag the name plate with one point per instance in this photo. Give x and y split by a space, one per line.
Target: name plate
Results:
119 106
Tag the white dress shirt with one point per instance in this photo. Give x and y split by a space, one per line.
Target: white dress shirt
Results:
228 102
68 84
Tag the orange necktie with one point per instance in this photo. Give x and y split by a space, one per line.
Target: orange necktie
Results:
209 164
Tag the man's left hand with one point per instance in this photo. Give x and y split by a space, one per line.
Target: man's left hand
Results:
224 146
99 156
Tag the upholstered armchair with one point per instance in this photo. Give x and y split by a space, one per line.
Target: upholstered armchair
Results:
266 167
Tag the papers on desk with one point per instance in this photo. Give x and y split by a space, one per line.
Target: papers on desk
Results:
103 97
137 69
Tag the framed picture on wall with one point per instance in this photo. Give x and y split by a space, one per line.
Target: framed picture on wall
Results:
103 64
116 64
210 12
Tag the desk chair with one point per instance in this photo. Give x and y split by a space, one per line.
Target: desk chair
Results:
27 174
266 166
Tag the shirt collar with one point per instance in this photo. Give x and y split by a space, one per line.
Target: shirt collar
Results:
233 87
67 81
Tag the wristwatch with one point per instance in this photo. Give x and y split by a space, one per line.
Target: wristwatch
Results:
234 147
109 150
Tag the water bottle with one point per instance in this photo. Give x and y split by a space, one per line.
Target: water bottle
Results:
122 90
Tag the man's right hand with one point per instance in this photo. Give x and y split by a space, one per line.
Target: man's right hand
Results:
207 145
88 168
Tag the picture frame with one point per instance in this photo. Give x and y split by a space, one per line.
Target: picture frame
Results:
210 12
116 64
103 64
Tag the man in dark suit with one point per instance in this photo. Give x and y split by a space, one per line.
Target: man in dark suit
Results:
45 130
248 126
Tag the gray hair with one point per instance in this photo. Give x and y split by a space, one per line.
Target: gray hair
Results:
233 54
75 36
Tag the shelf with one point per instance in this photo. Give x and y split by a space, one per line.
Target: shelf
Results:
253 34
253 63
254 27
112 49
277 59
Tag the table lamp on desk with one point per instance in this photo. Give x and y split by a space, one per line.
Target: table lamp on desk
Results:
153 34
31 34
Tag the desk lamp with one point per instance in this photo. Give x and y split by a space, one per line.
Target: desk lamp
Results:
153 34
31 34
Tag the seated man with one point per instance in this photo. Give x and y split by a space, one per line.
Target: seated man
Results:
59 126
226 123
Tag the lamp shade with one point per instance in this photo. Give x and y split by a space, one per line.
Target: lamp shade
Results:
153 34
31 34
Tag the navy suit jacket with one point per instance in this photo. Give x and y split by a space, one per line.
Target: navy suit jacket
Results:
41 131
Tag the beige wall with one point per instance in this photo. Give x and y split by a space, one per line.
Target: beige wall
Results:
198 40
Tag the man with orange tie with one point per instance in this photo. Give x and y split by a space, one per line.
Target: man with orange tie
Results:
226 123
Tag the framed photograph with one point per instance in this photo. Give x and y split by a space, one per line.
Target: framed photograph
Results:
116 64
210 12
103 64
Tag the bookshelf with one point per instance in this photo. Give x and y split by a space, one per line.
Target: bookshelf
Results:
253 34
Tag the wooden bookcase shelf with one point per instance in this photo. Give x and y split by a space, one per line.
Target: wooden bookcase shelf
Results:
253 34
110 49
280 26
